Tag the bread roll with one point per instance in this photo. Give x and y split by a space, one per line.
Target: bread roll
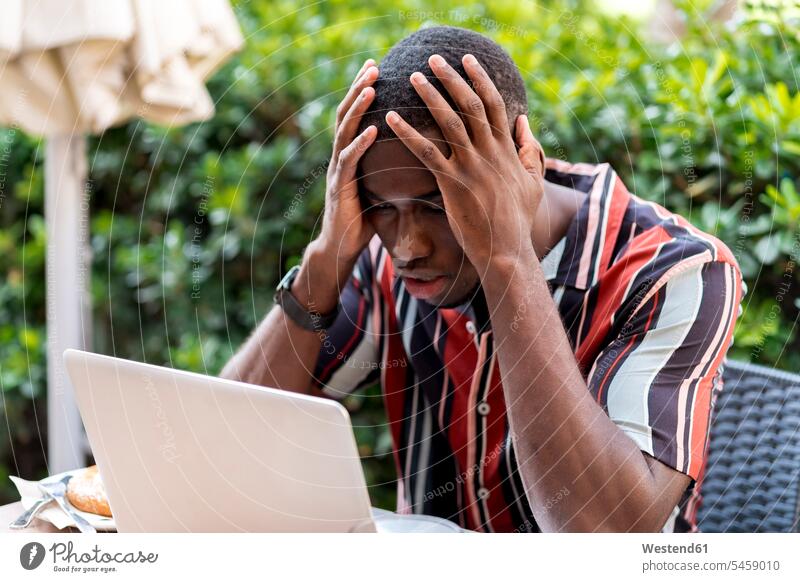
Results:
85 491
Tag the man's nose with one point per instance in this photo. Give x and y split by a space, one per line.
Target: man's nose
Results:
411 242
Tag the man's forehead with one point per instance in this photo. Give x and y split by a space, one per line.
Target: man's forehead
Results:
389 169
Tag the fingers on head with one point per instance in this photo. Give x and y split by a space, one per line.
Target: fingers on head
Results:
353 152
365 79
485 88
348 126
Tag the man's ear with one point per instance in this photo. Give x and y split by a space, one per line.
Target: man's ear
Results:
514 127
530 151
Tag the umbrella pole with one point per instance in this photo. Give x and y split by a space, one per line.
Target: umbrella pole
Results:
68 303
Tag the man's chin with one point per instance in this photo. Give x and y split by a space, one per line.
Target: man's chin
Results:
450 301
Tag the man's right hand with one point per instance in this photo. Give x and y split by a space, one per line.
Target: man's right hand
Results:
280 353
343 225
330 259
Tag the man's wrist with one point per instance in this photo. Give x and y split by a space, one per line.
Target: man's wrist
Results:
507 265
321 278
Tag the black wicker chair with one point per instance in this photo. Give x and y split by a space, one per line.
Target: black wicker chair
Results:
752 481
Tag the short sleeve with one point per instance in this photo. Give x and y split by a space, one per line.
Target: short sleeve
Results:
349 354
657 378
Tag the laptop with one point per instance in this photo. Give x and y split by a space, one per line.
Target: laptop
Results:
184 452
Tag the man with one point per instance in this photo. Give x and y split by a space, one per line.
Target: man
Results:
549 345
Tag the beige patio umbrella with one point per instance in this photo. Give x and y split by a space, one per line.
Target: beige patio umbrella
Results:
73 67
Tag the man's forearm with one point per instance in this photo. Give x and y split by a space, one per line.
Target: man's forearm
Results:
279 353
561 435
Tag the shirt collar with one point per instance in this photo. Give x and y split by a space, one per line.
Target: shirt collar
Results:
572 261
475 309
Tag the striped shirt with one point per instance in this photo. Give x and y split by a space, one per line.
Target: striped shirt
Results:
649 304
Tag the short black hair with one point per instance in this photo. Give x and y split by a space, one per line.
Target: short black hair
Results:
394 92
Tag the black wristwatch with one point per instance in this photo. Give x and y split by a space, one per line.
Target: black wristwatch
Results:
310 320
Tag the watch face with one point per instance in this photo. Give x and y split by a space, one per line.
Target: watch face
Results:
286 282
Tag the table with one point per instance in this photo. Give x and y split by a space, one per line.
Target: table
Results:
10 512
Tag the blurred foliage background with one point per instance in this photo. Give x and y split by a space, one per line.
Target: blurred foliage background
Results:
192 227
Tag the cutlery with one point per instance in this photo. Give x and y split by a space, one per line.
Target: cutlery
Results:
57 490
26 518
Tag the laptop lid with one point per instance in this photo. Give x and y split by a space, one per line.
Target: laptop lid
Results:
180 451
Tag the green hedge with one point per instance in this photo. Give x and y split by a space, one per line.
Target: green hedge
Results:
191 227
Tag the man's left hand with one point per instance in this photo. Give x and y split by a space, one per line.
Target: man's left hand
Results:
490 190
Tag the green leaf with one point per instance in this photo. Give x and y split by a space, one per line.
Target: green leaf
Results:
768 249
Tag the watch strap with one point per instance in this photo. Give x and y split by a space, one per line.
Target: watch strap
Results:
294 310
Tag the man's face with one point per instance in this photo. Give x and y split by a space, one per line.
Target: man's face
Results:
402 201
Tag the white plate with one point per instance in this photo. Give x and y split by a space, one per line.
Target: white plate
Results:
29 493
388 522
385 521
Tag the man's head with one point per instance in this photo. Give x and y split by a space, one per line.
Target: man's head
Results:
399 194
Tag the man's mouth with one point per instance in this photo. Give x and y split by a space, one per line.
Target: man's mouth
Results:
425 287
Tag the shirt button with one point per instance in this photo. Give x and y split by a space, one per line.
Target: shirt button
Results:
483 493
471 327
483 408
